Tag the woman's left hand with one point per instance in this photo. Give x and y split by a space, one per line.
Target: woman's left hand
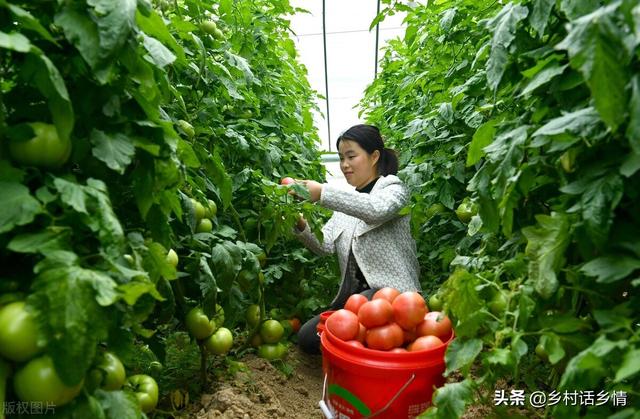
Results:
315 189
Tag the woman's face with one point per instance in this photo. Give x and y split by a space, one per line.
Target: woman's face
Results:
358 166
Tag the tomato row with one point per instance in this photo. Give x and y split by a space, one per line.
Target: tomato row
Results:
36 379
390 321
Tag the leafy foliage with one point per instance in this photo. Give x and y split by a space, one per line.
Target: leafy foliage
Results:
527 109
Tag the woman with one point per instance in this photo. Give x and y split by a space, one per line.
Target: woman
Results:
372 241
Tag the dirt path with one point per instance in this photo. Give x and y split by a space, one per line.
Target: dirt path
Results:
264 392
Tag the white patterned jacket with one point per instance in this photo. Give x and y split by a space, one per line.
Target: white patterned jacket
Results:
367 227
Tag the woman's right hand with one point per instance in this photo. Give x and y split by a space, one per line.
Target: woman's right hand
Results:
301 224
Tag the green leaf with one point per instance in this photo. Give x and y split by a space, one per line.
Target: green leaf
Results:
596 48
18 206
633 130
580 122
115 150
576 8
132 291
586 370
503 26
219 176
540 15
28 21
543 77
459 290
630 365
69 305
499 356
118 404
551 343
72 194
115 20
14 41
611 320
158 53
451 400
481 138
546 243
226 261
611 268
82 32
630 165
155 262
461 354
40 70
153 25
42 242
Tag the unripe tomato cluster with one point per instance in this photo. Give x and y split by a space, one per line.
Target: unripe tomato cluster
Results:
204 215
391 321
35 378
216 339
271 339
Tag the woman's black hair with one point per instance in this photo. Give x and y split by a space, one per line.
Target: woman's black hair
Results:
369 138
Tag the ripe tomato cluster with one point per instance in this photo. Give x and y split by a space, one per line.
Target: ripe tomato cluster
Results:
390 321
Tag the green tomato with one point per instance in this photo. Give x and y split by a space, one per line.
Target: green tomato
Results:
466 210
45 149
541 352
198 324
18 332
186 127
218 316
38 381
271 331
272 351
145 389
209 26
212 209
435 303
498 303
568 159
111 371
252 315
199 209
204 226
172 258
220 342
434 209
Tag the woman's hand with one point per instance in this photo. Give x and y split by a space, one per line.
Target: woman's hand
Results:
315 189
301 224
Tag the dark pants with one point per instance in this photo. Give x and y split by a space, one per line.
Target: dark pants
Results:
308 338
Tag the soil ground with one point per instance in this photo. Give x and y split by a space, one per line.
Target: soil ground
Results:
264 392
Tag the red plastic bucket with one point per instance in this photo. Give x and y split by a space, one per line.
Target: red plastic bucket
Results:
361 382
323 318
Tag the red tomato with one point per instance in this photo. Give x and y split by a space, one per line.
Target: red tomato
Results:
387 293
409 335
385 337
424 343
354 302
398 351
287 181
362 333
435 323
343 324
295 324
375 313
409 309
355 343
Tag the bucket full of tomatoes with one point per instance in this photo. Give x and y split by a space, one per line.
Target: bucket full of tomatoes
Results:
383 358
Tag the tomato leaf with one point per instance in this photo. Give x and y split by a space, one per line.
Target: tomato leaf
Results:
70 303
118 404
15 41
42 242
481 138
611 268
28 21
540 15
546 244
461 354
115 150
633 130
596 49
630 365
451 400
19 207
503 26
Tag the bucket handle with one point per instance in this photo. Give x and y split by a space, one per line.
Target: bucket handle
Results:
385 407
409 381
